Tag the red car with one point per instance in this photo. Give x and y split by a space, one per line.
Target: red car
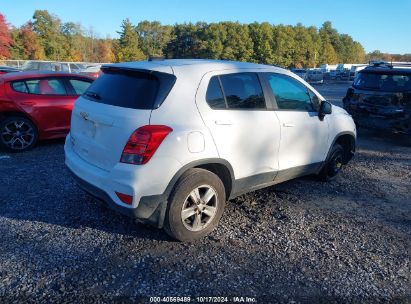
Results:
36 106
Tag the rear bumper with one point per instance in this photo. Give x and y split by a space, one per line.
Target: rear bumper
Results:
151 208
388 119
147 185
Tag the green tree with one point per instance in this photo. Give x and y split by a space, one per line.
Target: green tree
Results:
283 45
359 53
153 37
238 44
315 49
46 37
128 46
187 41
212 44
48 29
262 35
329 42
304 47
74 40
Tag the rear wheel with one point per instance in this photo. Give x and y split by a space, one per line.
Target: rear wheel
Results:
333 164
195 206
17 134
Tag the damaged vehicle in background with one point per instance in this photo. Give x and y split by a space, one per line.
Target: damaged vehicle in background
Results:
380 98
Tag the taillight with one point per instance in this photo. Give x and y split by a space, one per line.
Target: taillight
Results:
143 143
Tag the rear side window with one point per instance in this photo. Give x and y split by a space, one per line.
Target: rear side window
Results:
131 89
239 91
79 86
214 96
46 86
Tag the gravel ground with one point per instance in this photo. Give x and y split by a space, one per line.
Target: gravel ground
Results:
302 241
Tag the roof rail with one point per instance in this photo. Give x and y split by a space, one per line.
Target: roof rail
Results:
380 63
392 64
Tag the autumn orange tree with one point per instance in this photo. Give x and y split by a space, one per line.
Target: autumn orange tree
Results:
5 38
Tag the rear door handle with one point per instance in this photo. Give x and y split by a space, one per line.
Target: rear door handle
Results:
223 122
288 125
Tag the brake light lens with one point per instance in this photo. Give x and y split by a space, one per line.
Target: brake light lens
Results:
143 143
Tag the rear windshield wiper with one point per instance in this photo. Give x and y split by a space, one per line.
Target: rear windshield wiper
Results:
93 95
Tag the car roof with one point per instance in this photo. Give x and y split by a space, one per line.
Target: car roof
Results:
41 74
201 65
386 70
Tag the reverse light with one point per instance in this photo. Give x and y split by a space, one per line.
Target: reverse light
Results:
125 198
143 143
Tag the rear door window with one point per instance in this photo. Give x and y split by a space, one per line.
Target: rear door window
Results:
243 91
235 91
20 86
45 86
130 89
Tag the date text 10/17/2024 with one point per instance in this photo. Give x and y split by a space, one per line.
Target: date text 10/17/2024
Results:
203 300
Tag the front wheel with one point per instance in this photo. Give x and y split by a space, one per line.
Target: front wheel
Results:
195 206
333 164
17 134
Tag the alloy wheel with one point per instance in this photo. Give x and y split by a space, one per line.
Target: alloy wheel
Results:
17 135
199 208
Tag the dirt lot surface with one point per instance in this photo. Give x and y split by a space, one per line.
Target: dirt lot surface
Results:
302 241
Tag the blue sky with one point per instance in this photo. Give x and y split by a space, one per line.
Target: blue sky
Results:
378 24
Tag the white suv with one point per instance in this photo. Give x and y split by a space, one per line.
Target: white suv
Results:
169 141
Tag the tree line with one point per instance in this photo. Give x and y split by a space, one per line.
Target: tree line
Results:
46 37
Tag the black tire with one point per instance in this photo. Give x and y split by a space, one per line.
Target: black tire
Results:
333 164
17 134
181 201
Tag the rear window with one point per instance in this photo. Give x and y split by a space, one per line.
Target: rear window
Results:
383 82
131 89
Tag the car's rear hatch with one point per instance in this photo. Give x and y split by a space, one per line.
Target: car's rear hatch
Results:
114 106
382 93
386 104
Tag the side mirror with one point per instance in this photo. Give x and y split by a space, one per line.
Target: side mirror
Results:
325 108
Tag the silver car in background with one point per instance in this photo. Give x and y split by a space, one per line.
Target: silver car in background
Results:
315 76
